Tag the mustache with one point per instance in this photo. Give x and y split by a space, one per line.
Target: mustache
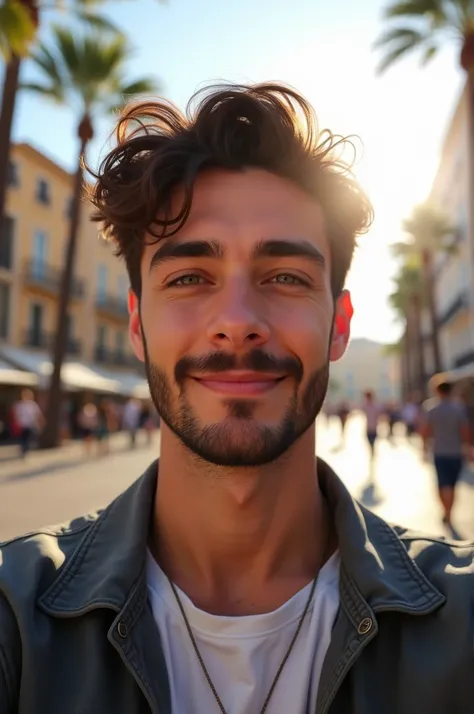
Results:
257 361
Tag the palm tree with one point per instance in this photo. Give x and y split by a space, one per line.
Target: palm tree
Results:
429 233
424 25
86 71
19 22
407 301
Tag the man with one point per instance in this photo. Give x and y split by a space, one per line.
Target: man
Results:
372 413
238 575
131 420
446 434
411 416
28 418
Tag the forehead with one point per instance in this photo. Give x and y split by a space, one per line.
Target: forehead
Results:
241 208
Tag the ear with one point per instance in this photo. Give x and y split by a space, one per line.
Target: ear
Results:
342 326
135 327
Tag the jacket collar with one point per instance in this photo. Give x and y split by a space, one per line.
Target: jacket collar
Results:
110 561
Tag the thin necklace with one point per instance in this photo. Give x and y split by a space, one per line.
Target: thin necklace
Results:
287 653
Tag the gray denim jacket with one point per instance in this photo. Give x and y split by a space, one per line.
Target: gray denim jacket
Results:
77 635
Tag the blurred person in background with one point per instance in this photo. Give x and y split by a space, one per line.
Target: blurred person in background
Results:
105 425
131 420
343 412
411 414
373 413
445 432
88 422
28 418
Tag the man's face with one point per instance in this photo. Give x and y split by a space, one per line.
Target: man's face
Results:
235 322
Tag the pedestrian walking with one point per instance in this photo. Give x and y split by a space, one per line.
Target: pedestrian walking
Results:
28 419
373 412
88 421
446 436
411 414
343 412
131 420
237 575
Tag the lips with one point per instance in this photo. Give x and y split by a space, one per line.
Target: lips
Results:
238 383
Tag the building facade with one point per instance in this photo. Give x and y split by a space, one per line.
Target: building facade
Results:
32 252
452 192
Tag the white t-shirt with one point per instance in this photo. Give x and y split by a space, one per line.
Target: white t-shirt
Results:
27 414
243 654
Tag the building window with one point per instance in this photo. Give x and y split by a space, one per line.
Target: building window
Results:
39 253
101 335
42 192
35 336
4 310
102 275
6 243
13 178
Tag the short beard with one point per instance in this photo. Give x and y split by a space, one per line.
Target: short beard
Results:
238 440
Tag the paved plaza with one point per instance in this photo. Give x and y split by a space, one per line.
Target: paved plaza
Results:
51 487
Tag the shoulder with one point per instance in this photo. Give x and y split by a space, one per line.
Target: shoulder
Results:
31 562
448 564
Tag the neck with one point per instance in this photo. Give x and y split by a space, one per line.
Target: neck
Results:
239 540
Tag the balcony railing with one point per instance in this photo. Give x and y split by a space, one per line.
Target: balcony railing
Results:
48 277
41 339
113 306
114 357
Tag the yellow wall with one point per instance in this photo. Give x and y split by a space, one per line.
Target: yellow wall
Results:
30 216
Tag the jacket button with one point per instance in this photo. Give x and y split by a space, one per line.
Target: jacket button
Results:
365 626
122 629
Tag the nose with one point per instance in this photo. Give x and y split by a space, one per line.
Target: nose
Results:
238 323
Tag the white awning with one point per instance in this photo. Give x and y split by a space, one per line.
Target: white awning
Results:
75 375
18 377
131 384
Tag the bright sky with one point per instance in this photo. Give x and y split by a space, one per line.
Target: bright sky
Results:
322 49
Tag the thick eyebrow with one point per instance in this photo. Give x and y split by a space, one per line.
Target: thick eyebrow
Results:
289 249
171 250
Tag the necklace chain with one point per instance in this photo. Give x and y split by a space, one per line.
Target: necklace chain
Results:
284 660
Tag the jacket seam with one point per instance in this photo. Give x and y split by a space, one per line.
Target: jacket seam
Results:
47 532
74 564
426 588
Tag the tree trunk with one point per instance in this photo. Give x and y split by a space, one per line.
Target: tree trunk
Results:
51 435
7 110
405 365
431 302
419 347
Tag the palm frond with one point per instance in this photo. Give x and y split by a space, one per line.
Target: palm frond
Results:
414 9
89 67
97 22
52 92
392 56
17 29
400 34
429 52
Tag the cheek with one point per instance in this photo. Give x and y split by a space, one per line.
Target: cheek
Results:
169 331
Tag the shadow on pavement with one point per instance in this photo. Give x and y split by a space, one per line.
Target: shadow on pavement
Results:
370 496
44 470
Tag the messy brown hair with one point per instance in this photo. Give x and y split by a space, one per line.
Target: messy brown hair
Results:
266 126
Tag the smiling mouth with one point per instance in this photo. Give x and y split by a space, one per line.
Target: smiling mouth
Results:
240 383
